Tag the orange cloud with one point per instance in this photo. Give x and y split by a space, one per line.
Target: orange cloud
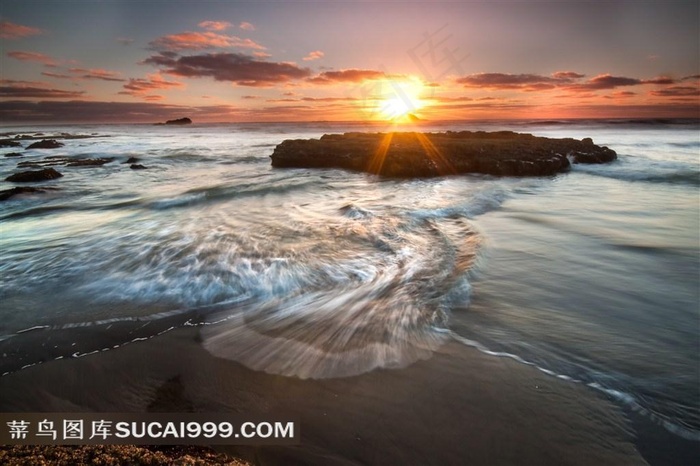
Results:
237 68
12 31
315 55
345 76
246 26
139 87
32 56
215 25
201 41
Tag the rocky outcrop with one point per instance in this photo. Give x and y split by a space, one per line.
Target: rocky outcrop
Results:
502 153
137 166
13 154
9 143
34 175
46 144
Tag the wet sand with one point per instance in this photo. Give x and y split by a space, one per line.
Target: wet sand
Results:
458 407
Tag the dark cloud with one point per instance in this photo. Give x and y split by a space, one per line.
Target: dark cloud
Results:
237 68
345 76
100 74
677 91
87 111
565 80
37 93
659 80
526 82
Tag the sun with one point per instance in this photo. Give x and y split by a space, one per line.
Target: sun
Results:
401 99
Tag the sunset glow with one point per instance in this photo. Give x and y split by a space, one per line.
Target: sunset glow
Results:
340 62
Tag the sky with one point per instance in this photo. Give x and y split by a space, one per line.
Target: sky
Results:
225 61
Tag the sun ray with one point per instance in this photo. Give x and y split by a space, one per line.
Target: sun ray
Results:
377 161
443 165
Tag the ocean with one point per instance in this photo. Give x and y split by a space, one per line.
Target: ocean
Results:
591 277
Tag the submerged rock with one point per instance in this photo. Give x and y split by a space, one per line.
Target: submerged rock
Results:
9 143
65 161
138 166
132 160
13 154
501 153
46 144
5 194
34 175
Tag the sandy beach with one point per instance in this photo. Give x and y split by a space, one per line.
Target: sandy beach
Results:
499 412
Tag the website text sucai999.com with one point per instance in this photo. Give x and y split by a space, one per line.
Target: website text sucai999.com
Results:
143 429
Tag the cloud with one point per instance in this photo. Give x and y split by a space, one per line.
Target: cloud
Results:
124 40
659 80
138 87
22 91
12 31
250 97
346 76
563 80
527 82
57 75
215 25
237 68
261 55
315 55
620 95
91 111
103 75
567 75
246 26
32 56
677 91
200 41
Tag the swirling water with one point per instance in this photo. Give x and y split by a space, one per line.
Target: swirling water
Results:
591 276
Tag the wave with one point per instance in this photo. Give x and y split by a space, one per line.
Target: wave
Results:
626 398
357 311
679 177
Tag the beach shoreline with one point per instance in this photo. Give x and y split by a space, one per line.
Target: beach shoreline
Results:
505 412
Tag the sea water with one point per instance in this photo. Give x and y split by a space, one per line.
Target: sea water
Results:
591 276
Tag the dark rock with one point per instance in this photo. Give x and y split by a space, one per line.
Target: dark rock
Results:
501 153
137 166
179 121
9 143
5 194
35 175
13 154
46 144
132 160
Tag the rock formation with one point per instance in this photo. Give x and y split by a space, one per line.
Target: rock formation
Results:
501 153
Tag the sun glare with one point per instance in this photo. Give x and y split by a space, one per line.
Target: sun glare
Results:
402 100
